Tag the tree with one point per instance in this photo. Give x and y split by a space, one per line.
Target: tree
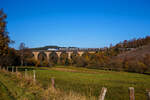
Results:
74 57
53 59
25 54
13 58
64 59
28 57
22 48
4 38
81 61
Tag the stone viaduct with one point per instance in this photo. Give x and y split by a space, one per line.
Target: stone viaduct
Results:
47 53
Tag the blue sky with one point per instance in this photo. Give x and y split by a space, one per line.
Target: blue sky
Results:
80 23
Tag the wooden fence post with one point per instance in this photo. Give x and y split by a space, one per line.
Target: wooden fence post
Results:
148 94
12 69
16 69
7 68
34 76
131 92
53 83
25 73
103 93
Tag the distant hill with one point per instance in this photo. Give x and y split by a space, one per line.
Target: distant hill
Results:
50 47
44 48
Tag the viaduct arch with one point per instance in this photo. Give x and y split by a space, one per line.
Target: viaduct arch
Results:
47 53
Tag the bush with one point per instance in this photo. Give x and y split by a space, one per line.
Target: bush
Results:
31 62
42 63
45 63
81 62
136 66
141 67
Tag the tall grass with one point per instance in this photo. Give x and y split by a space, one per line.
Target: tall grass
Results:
24 88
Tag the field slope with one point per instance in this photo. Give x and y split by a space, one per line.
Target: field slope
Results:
86 82
4 93
89 82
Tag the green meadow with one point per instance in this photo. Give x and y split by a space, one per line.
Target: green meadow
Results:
89 82
86 82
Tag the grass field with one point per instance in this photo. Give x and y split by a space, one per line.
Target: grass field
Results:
11 87
88 82
4 93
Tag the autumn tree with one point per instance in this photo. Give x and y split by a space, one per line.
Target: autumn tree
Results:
64 59
26 55
4 38
53 59
22 50
74 57
12 58
81 61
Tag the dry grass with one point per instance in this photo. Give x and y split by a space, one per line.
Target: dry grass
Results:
53 94
24 88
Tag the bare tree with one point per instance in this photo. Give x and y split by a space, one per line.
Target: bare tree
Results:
22 49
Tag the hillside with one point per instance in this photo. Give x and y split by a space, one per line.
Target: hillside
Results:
137 53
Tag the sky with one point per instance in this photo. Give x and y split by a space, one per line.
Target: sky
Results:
79 23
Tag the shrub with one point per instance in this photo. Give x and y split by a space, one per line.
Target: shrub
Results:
141 67
81 62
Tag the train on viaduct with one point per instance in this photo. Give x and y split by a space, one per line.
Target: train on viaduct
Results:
47 53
